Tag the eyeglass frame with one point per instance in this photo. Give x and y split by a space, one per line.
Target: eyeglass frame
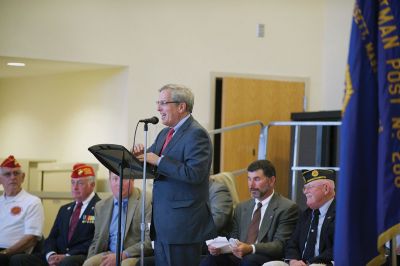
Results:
79 182
305 187
163 103
15 173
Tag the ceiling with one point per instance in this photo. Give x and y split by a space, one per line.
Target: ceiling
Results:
38 67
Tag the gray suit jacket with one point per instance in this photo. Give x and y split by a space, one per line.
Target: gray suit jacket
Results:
131 239
276 228
181 213
221 207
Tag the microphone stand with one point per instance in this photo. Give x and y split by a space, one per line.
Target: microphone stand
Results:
143 223
118 248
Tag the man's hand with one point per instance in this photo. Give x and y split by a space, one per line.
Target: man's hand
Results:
108 259
297 263
152 158
242 249
55 259
138 150
214 251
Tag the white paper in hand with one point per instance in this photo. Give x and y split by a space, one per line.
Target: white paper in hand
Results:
220 242
233 242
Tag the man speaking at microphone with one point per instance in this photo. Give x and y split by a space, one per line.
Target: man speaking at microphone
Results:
182 154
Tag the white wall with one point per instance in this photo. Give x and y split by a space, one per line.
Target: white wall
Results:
338 14
59 117
182 41
174 41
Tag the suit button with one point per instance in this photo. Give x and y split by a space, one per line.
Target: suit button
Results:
67 249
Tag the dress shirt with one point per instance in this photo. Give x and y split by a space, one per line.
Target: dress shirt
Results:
176 128
323 210
113 230
85 203
264 207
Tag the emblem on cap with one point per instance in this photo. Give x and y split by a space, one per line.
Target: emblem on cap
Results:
317 174
82 170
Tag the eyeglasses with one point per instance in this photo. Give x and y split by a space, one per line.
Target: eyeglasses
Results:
15 173
78 182
311 187
163 103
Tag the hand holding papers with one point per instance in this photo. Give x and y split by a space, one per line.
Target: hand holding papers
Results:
233 242
223 244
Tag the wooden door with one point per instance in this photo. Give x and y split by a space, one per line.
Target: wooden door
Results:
244 100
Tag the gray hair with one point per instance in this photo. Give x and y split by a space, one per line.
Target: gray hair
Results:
180 93
92 179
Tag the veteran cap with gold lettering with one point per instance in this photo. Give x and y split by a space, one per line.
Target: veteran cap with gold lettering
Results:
82 170
318 174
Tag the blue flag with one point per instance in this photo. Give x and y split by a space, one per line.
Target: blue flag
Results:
368 198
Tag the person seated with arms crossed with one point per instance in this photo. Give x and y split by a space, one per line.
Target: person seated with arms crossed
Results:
221 205
312 240
73 228
21 214
103 247
262 225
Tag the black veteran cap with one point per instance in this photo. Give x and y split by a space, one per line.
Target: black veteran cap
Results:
317 174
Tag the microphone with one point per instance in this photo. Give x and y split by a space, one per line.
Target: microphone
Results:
152 120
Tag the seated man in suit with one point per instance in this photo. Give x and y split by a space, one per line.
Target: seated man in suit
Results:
262 225
103 248
21 214
221 204
312 240
73 228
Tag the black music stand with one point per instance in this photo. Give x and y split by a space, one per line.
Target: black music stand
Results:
118 159
112 155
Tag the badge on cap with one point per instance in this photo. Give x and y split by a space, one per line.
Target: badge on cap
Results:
82 170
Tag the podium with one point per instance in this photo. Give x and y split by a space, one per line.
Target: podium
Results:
121 162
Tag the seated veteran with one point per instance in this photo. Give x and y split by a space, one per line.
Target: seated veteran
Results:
312 240
73 229
21 214
261 225
103 247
